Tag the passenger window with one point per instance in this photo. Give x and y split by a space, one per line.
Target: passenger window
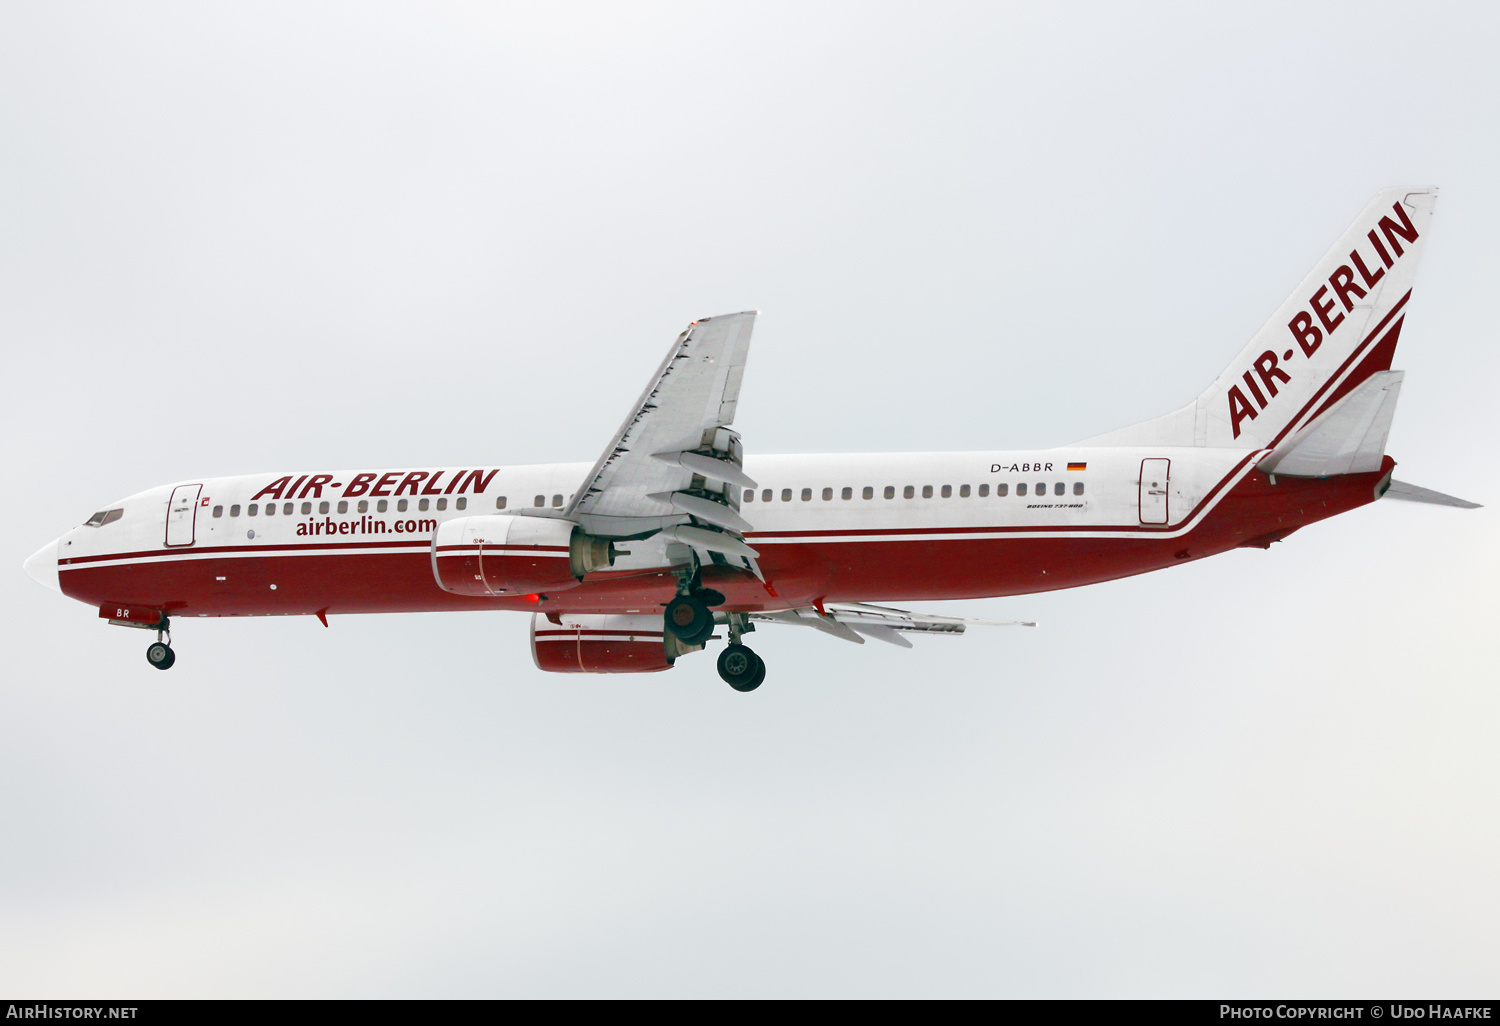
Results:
947 491
908 492
364 505
807 495
540 500
557 500
1059 489
984 490
252 509
234 511
890 491
306 508
1001 490
323 507
786 495
868 492
927 491
827 494
401 505
462 502
218 511
1020 488
1077 487
1041 487
443 503
421 505
749 495
499 502
381 506
270 509
963 491
765 495
847 493
343 507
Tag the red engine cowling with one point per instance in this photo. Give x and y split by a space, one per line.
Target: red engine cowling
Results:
505 555
599 643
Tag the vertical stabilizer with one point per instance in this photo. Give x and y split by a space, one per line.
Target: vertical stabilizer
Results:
1339 327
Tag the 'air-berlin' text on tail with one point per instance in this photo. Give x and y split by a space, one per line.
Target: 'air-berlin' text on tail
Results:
1339 327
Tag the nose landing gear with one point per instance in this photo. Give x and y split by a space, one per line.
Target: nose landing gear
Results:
159 653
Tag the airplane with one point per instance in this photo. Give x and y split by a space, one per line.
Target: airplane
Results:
632 562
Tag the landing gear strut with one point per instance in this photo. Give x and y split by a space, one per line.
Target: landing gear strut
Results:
159 653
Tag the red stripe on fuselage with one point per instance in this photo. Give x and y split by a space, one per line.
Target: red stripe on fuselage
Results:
199 551
821 568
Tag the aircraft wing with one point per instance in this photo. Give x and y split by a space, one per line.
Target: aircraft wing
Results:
675 466
857 621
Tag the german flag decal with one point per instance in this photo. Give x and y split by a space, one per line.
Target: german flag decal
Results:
1078 466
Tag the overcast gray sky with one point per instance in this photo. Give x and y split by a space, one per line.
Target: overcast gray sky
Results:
298 236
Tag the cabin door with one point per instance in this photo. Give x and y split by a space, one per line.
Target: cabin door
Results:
182 514
1154 481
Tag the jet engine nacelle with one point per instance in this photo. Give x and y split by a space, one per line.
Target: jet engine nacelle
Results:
602 643
505 555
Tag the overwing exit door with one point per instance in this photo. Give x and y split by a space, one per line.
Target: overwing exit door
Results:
1154 480
182 514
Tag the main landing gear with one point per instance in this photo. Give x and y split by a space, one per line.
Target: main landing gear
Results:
689 618
741 668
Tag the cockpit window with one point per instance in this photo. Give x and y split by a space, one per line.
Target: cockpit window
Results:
103 517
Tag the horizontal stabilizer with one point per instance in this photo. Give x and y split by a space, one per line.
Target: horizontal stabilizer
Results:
879 622
1411 493
1348 439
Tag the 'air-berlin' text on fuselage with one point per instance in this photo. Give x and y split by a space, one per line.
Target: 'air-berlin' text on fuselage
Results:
395 482
1322 316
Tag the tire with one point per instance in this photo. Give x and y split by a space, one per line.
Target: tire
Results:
741 668
689 620
160 655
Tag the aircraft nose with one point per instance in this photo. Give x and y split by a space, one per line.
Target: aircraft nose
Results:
42 566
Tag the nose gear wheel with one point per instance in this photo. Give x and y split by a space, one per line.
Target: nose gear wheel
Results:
160 655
